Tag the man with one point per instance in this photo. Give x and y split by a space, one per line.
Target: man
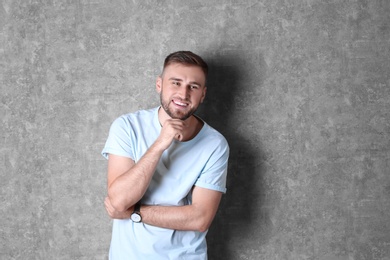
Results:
166 170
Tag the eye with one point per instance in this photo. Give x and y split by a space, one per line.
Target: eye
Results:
194 86
176 83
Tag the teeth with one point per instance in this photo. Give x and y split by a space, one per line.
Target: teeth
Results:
179 103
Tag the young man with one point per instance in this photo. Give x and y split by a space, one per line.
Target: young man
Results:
166 170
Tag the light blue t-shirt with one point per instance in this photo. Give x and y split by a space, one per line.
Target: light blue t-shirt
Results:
202 162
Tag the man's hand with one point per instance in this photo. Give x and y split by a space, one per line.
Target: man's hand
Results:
172 129
114 214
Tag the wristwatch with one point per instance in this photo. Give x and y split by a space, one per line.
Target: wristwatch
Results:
136 215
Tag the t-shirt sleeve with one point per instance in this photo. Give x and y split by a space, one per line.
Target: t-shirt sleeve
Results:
119 140
214 173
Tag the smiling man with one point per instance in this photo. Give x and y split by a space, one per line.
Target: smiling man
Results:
166 170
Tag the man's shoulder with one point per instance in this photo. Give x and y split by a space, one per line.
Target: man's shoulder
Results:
143 115
213 136
135 120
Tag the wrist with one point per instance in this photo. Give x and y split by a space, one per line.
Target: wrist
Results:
158 147
136 215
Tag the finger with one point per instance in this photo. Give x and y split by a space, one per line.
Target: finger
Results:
179 137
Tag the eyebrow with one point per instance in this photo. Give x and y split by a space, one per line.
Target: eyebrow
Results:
191 83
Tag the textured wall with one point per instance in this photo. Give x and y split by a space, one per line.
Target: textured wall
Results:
301 90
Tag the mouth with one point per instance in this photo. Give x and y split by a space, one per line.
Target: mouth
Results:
180 103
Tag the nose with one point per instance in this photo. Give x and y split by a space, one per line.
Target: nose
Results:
184 92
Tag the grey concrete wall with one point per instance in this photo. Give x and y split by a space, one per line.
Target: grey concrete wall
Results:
301 90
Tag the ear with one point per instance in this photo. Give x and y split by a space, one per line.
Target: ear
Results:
203 94
158 84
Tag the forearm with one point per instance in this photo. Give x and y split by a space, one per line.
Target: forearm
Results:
178 218
189 217
129 188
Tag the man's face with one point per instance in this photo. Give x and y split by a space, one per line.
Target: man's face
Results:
182 89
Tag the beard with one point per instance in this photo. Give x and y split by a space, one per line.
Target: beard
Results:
175 114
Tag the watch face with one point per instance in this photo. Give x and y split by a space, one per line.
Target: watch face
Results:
135 217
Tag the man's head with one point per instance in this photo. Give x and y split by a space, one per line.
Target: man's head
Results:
182 84
186 58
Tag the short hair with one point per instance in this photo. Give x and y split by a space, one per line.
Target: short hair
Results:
186 58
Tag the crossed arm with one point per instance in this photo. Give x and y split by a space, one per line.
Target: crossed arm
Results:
197 216
128 182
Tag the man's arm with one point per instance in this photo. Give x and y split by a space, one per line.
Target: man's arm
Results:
197 216
128 181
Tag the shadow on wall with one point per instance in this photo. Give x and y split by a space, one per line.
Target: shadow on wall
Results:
237 218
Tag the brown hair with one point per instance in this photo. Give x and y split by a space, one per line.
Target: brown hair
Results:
186 58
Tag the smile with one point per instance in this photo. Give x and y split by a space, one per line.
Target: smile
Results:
179 103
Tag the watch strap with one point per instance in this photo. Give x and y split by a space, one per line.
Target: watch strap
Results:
137 208
136 215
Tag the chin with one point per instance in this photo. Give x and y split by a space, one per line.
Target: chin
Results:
181 117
